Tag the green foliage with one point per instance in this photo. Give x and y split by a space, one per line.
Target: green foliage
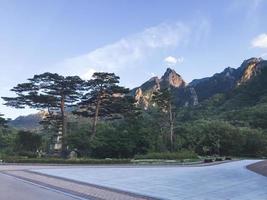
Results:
227 124
49 92
7 137
3 121
7 140
103 98
78 137
184 154
164 100
209 137
252 116
27 142
64 161
118 140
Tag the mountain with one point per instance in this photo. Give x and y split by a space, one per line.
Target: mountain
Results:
199 89
28 122
243 106
184 95
228 79
240 84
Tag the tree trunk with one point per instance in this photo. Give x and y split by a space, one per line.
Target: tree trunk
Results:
95 118
171 125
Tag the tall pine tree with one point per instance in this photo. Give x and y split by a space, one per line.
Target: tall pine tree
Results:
164 100
50 92
3 121
104 99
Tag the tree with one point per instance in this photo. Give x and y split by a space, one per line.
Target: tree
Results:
28 141
50 92
3 121
7 136
164 100
104 98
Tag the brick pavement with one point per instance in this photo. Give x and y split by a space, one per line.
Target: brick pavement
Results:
84 190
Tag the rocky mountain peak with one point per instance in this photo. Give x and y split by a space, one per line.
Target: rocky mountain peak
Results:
199 89
184 94
250 61
251 67
154 79
171 78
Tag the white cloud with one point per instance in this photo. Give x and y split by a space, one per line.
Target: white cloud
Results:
128 51
172 60
202 29
260 41
134 52
88 75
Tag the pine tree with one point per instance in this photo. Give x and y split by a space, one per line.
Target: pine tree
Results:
164 100
3 121
104 99
50 92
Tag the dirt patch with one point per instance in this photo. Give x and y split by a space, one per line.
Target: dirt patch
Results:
259 167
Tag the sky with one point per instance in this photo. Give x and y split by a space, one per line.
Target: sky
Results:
134 39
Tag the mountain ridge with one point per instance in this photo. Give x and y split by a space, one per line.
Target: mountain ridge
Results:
186 94
199 90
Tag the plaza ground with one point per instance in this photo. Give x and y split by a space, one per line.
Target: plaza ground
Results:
224 181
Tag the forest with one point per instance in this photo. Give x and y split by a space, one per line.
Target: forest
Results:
98 118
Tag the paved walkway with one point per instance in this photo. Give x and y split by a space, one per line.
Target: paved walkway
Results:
228 181
13 189
79 189
259 167
231 181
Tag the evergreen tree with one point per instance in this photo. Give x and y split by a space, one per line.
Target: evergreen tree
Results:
50 92
103 99
165 102
3 121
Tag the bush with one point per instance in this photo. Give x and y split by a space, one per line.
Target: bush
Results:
218 159
208 160
169 155
27 141
64 161
28 154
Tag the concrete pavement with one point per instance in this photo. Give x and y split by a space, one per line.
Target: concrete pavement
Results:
79 189
230 181
14 189
227 181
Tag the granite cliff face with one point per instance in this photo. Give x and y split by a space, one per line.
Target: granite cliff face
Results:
251 68
228 79
184 95
171 78
199 89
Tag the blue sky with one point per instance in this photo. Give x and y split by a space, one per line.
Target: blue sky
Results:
135 39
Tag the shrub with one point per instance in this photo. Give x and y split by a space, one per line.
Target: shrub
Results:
208 160
218 159
27 141
64 161
28 154
169 155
